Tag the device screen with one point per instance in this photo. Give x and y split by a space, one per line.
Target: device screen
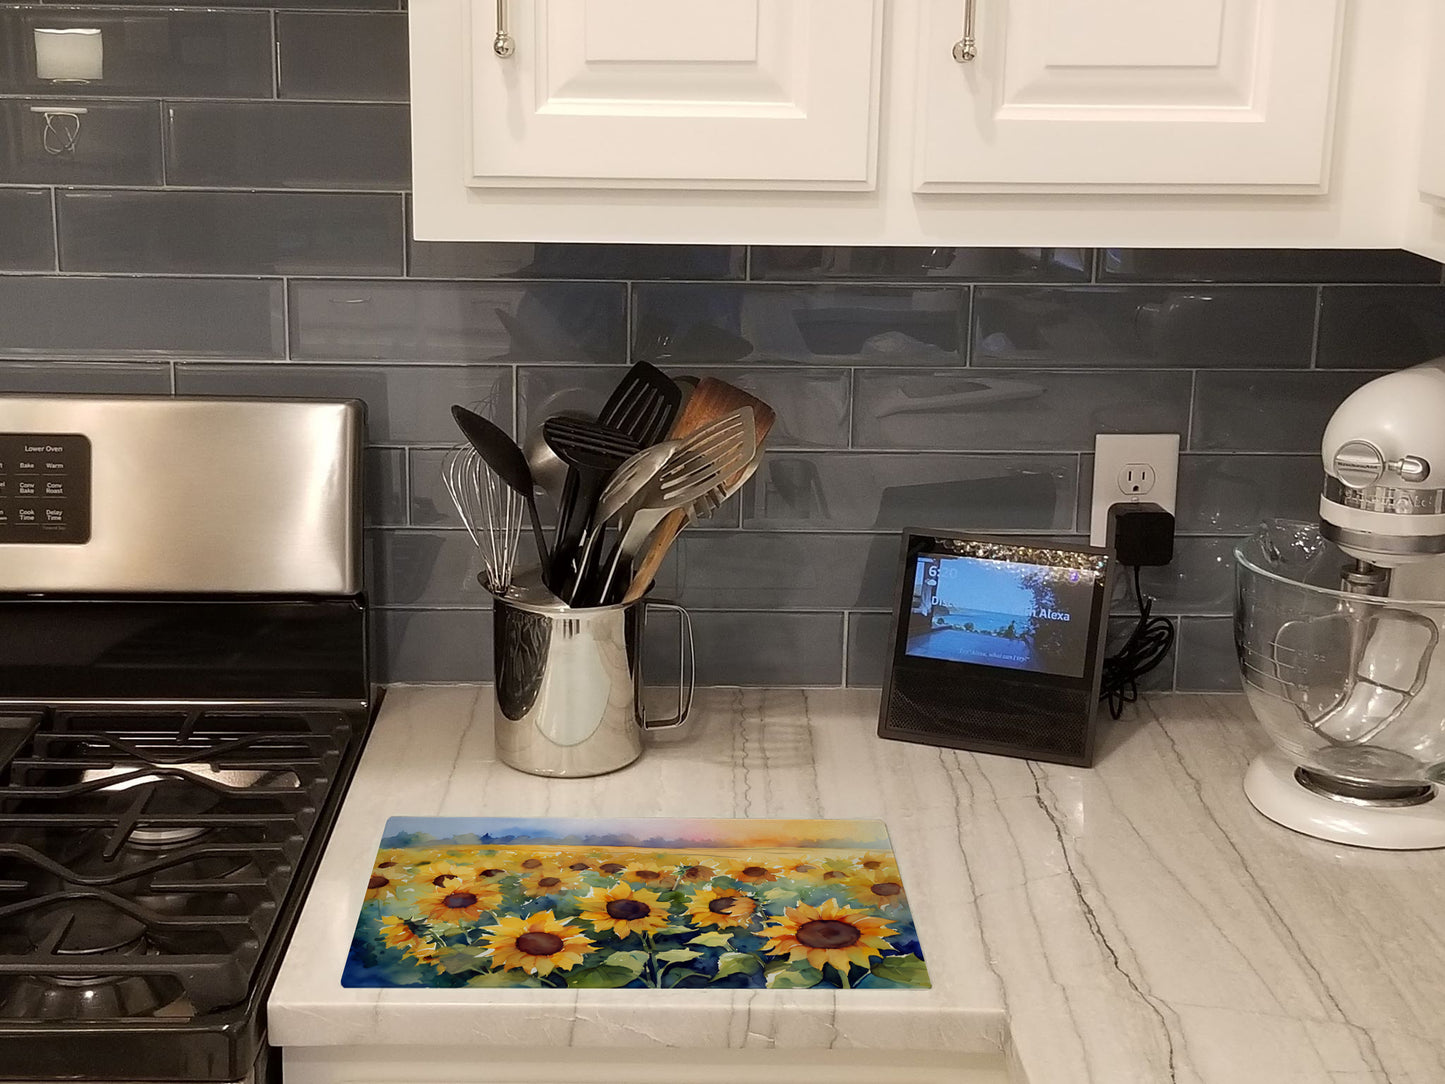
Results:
1001 613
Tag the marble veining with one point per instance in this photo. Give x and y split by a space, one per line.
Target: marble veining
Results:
1137 922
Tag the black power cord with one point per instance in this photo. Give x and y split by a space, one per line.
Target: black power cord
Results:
1145 649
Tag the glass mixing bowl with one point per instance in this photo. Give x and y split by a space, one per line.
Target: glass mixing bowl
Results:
1348 686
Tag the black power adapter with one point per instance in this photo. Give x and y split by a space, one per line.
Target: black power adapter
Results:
1139 534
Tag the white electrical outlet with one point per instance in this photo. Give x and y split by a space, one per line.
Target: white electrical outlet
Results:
1132 467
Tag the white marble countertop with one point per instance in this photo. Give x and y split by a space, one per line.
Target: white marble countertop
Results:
1138 922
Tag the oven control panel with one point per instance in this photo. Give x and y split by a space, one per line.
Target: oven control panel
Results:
44 488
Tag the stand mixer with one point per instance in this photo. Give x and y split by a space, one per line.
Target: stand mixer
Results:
1338 627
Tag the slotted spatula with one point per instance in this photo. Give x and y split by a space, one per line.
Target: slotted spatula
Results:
592 452
644 405
711 399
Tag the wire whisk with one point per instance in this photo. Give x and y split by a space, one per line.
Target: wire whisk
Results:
491 510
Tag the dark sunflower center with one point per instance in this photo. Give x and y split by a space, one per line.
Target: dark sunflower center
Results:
442 879
539 944
378 881
697 873
887 888
579 866
611 867
723 905
833 875
755 871
803 867
549 882
647 875
458 901
532 863
491 872
826 933
385 865
628 910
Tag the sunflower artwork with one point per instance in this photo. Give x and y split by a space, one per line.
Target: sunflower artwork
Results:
454 902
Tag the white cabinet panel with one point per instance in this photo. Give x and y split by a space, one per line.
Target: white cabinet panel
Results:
1127 95
774 94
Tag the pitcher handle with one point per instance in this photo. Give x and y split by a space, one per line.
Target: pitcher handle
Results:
687 677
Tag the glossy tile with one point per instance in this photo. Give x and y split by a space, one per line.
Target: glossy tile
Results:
1158 680
99 377
1264 265
752 649
486 260
428 504
230 233
348 56
1207 659
811 404
27 230
149 53
384 472
1200 579
288 145
1232 494
778 570
1267 412
1013 411
57 316
921 264
1380 327
693 324
443 321
871 491
1218 327
116 142
868 648
432 645
404 403
410 568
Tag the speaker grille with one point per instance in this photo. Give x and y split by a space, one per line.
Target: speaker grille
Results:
1001 716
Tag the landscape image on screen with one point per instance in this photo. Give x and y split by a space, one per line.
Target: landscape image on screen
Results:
1000 613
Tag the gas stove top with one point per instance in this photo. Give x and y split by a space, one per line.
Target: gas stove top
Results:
183 698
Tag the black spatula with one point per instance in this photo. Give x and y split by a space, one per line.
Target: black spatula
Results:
643 405
500 452
592 452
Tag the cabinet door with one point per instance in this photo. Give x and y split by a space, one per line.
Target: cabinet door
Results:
1128 95
676 94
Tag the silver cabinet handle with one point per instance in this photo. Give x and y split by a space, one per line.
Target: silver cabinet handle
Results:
502 44
966 47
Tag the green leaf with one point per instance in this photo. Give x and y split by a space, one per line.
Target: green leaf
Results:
785 896
605 977
632 961
713 939
737 963
673 929
503 978
672 896
794 977
678 955
908 969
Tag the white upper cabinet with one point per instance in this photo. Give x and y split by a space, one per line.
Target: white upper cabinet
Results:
1128 95
675 94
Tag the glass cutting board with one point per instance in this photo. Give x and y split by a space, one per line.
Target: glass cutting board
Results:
653 903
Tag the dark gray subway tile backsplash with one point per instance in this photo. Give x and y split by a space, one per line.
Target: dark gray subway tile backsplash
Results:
233 233
27 230
233 219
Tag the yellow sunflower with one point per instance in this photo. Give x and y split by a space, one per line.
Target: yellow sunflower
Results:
460 902
490 871
383 882
880 887
649 873
623 910
397 931
532 863
875 860
827 934
696 874
836 871
576 864
424 952
537 945
612 867
752 872
801 866
443 874
721 907
549 882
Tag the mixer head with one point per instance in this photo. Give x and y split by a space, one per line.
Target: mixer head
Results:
1384 455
